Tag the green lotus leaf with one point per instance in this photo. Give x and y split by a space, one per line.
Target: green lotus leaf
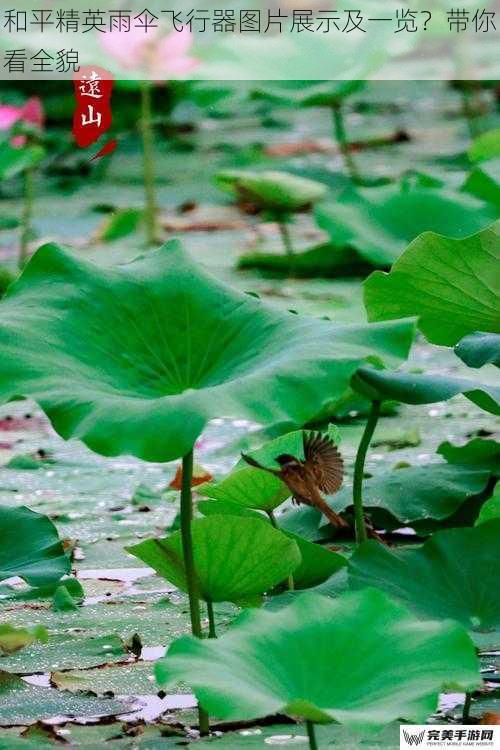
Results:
30 547
478 349
236 559
379 223
179 349
252 488
491 508
317 563
484 183
486 146
322 261
453 286
299 660
423 389
14 639
271 190
453 575
481 453
14 161
404 496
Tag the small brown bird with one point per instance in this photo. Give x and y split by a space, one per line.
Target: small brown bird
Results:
322 470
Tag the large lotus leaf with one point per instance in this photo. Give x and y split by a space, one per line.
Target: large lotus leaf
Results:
454 575
272 190
178 349
30 547
486 146
452 285
249 487
403 496
236 558
478 349
481 453
317 563
299 660
423 389
380 222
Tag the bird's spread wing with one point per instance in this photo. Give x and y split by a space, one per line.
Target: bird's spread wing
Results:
324 461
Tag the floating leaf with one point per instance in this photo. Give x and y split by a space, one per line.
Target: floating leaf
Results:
378 223
22 704
484 182
478 349
403 496
236 559
452 285
322 261
271 190
30 547
479 452
423 389
454 575
179 349
249 487
14 639
66 651
299 660
47 591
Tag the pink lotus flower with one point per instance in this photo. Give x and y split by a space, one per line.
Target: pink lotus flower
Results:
31 112
159 57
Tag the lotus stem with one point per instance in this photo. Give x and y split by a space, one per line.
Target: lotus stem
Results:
148 155
212 633
311 733
359 467
287 243
272 518
466 708
343 142
27 215
187 551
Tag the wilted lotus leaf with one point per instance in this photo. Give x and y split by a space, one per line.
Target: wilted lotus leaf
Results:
274 191
136 359
13 639
361 660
